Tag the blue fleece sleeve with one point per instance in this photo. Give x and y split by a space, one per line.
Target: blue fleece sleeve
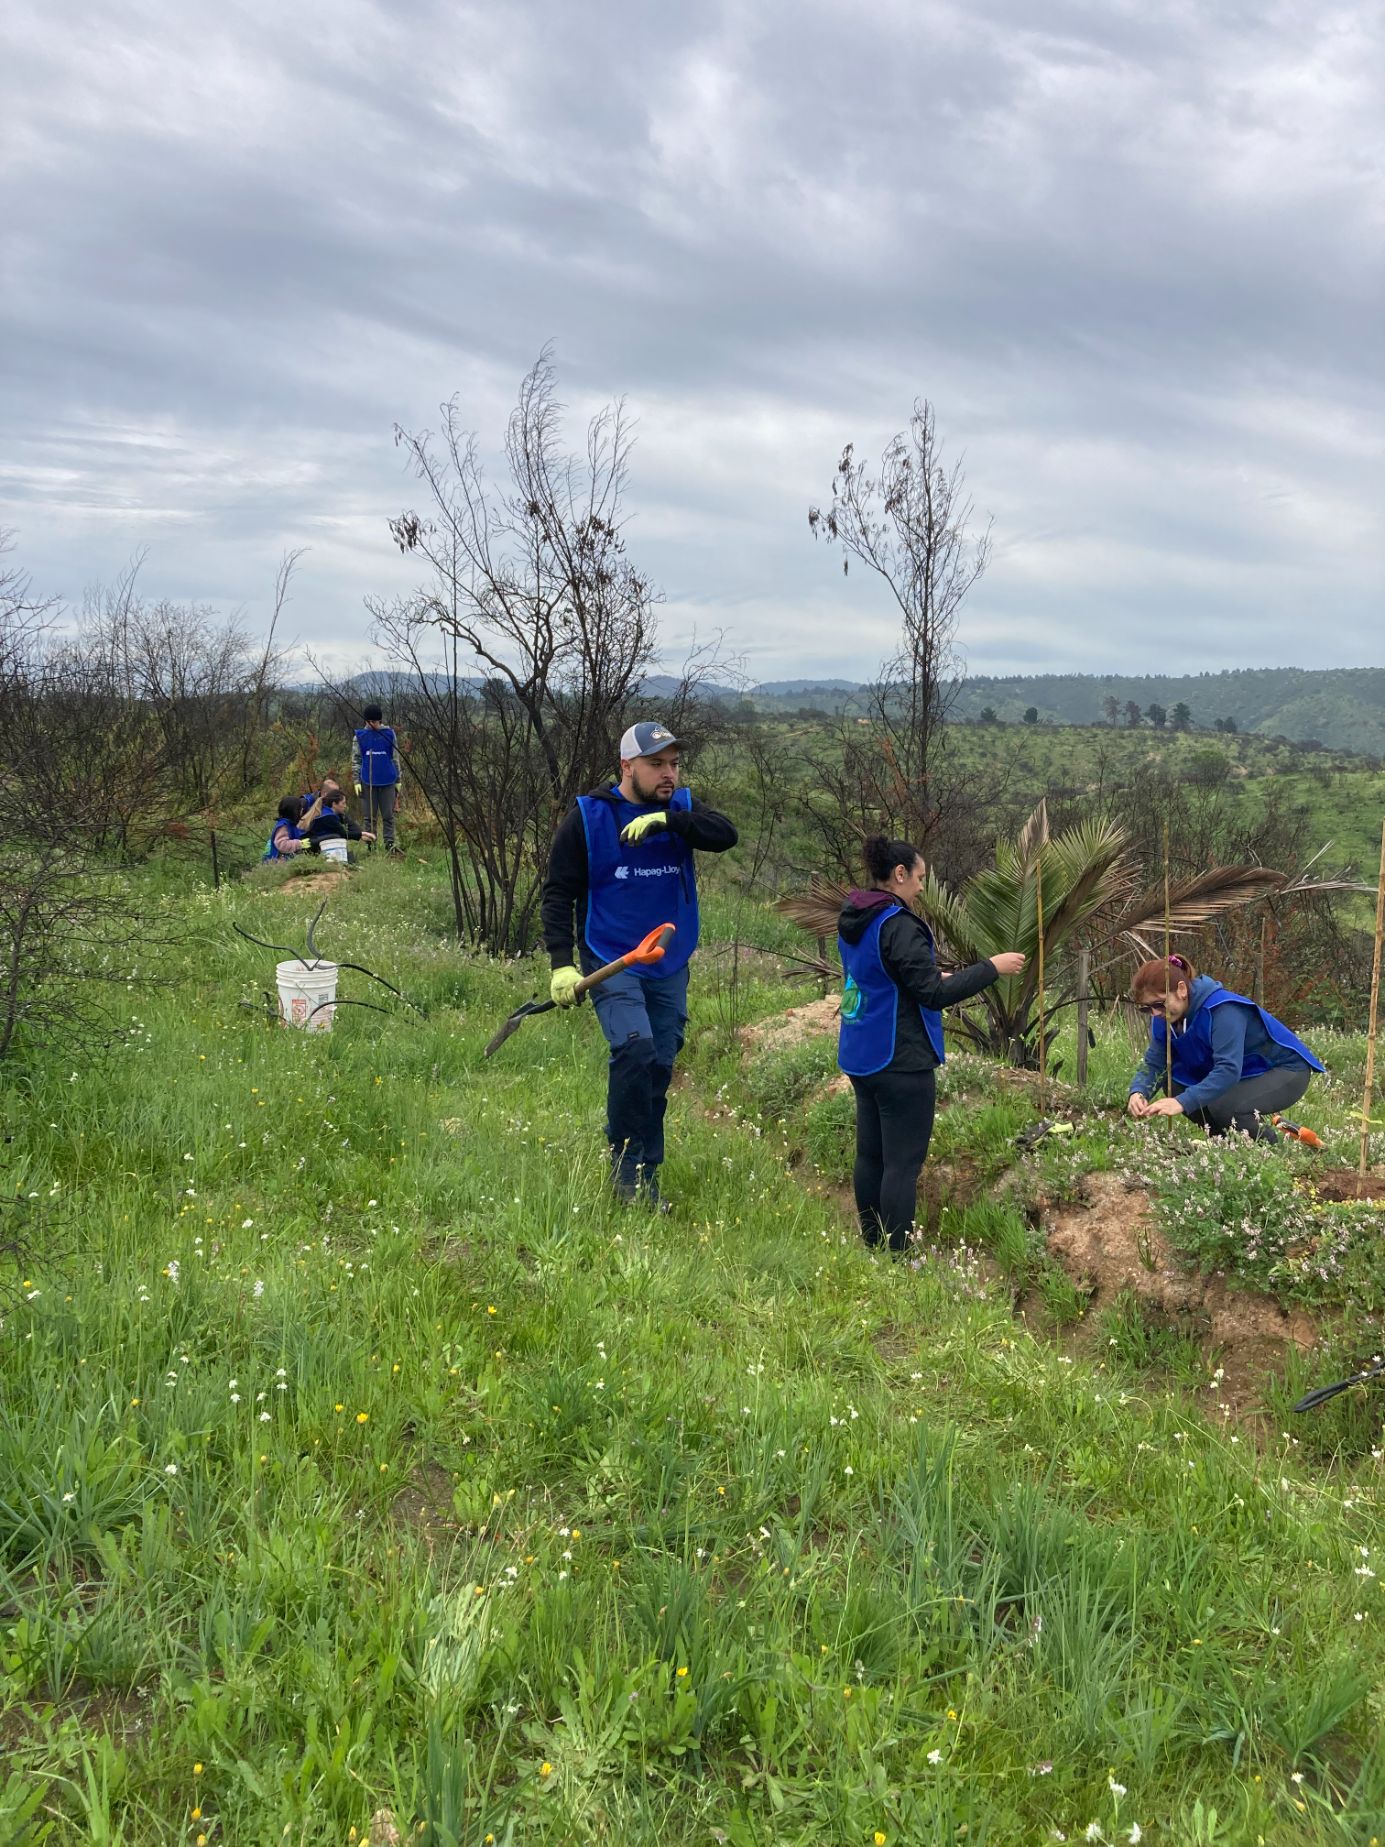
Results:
1149 1077
1229 1024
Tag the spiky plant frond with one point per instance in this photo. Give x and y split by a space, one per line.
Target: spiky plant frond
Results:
1194 902
950 919
815 910
1034 834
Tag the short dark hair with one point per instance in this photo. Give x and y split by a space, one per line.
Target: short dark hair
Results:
291 809
882 856
372 714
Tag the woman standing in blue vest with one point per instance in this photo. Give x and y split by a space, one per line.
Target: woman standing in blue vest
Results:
621 864
1230 1064
890 1042
375 771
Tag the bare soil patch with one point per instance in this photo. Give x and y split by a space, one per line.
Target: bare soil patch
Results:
1342 1183
311 882
425 1505
792 1028
118 1716
1108 1242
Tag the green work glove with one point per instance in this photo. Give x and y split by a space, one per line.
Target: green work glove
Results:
562 988
358 788
643 824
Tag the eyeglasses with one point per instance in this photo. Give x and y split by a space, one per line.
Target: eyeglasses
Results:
1149 1006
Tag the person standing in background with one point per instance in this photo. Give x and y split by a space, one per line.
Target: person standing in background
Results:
375 771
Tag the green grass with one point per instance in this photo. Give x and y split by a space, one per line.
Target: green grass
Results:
356 1451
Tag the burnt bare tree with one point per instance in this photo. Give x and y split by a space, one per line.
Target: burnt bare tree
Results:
68 930
259 760
470 756
533 576
909 522
525 654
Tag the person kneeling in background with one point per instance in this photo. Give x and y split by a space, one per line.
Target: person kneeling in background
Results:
1231 1065
286 836
333 823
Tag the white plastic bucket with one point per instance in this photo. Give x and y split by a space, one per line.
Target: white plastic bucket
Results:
307 996
334 849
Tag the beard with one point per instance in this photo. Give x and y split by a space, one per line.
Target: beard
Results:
648 791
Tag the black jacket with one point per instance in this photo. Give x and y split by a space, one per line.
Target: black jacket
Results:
331 826
565 888
908 960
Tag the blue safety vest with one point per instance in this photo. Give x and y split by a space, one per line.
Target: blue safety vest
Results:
870 1004
631 890
1192 1056
378 767
271 851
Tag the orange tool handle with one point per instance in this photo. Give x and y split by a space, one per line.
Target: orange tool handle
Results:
650 950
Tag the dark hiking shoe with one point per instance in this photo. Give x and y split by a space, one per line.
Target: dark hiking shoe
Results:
640 1190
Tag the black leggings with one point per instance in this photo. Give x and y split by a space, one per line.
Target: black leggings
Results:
1248 1106
894 1121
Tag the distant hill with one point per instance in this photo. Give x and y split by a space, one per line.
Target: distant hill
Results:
1342 708
773 689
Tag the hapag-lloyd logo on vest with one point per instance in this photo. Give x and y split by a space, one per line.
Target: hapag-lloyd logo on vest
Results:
646 872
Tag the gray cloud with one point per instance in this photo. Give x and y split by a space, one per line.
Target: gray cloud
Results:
1133 255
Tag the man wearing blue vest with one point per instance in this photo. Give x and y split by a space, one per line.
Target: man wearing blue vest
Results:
375 771
622 864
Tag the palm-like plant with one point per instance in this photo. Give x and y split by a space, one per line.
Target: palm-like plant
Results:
1088 886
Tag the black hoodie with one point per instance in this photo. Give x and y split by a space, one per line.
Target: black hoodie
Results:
908 960
565 888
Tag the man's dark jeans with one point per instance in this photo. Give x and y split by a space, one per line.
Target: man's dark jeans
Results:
644 1021
378 812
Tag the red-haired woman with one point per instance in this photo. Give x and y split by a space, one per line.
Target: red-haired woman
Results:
1230 1064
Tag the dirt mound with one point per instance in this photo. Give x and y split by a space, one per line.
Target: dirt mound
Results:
792 1028
310 882
1343 1183
1108 1242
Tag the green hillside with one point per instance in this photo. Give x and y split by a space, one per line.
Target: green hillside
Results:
1343 708
1340 708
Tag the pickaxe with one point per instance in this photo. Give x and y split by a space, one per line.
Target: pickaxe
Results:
650 950
1311 1400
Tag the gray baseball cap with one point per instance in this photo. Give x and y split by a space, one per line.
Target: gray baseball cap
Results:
645 740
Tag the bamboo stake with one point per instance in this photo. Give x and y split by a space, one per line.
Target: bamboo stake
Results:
1084 978
1168 1023
1260 967
1366 1097
1039 907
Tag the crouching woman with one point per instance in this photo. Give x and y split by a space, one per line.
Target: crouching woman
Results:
891 1038
1226 1063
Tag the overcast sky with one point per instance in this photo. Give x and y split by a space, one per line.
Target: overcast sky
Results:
1134 253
